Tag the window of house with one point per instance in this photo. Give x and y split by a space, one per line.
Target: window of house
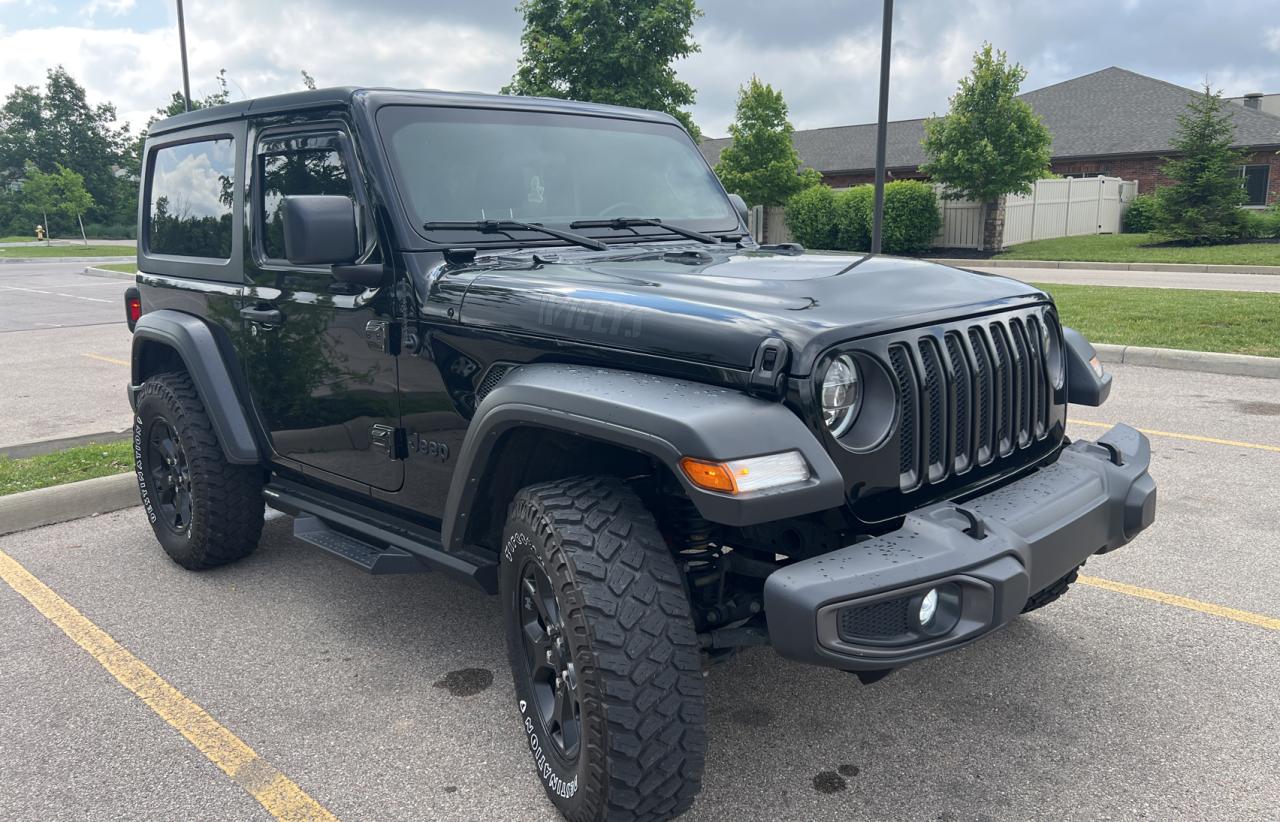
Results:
191 193
311 165
1255 184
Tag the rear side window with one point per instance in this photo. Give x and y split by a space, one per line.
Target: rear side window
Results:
307 166
192 188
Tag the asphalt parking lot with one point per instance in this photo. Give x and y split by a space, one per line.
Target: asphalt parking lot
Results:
64 352
389 697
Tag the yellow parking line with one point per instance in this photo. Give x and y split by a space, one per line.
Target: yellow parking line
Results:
282 797
1192 437
1247 617
111 360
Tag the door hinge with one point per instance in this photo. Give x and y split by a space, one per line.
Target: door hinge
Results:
389 441
383 335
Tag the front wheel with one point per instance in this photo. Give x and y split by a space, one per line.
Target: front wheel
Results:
603 652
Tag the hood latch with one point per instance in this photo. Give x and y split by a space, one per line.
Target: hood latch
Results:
768 373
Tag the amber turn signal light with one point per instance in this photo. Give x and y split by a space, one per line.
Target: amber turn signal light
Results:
713 476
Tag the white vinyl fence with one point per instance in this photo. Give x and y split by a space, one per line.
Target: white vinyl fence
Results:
1065 207
768 224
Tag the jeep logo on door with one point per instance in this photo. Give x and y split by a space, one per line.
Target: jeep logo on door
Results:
431 448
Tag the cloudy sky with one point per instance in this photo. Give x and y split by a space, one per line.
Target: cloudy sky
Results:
823 54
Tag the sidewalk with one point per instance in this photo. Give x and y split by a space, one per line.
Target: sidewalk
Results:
1200 281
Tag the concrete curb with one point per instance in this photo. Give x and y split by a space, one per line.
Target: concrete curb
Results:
53 260
35 449
1191 268
91 271
1236 365
49 506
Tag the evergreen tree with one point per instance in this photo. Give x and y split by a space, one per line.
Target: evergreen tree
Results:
1204 205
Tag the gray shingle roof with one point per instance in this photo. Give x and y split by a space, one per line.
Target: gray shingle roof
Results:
1113 111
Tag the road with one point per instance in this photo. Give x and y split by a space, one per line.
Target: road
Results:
64 351
389 698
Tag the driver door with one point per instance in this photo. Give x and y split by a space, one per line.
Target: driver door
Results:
327 395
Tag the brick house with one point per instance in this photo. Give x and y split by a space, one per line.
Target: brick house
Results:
1113 122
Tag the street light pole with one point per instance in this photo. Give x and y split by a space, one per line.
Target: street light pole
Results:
182 43
882 126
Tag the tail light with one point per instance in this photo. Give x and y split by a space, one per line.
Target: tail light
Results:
132 306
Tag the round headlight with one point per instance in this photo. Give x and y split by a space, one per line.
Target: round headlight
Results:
841 394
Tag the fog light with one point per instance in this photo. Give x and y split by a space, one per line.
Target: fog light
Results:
928 607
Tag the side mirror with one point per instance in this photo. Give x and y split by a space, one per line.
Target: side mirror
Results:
741 205
320 229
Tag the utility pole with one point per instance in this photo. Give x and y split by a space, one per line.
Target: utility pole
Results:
882 126
182 43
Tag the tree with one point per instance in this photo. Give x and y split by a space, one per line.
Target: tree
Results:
608 51
308 81
990 143
61 194
1204 205
56 125
762 164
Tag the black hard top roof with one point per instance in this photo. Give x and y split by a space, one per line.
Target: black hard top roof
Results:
343 95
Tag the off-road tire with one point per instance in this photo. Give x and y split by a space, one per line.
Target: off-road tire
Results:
1053 592
226 500
631 640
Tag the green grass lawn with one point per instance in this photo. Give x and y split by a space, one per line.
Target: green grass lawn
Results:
75 250
16 238
1231 322
1136 248
128 268
72 465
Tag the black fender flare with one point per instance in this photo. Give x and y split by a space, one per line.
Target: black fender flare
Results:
662 417
1084 385
194 342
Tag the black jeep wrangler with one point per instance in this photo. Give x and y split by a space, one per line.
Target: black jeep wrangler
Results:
530 343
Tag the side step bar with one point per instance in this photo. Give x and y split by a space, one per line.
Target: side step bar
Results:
371 558
375 540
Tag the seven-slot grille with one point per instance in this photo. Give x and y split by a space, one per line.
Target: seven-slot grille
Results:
969 396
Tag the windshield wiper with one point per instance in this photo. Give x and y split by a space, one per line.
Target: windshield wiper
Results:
631 222
501 226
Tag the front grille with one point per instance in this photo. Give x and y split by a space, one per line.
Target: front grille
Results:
986 397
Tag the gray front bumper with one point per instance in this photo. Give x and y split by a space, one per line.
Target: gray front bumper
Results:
999 550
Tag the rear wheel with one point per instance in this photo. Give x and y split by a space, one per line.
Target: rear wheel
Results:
603 652
204 511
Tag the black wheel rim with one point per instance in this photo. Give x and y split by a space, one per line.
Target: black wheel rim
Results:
552 674
170 476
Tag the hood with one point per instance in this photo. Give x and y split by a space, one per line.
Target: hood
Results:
715 306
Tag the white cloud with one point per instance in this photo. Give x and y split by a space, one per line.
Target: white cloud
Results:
115 8
823 54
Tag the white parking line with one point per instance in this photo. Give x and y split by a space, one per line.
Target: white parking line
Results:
55 294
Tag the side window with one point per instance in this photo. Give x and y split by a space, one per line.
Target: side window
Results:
310 165
192 186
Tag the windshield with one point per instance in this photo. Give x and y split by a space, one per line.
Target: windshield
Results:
462 165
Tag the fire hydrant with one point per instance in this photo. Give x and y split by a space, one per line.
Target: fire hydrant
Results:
39 232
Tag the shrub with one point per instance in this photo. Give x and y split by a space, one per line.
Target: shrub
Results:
1262 225
853 218
811 216
102 231
1140 217
911 217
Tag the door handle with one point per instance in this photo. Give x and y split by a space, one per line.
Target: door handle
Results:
266 316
